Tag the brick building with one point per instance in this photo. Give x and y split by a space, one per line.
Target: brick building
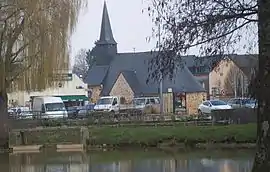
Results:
125 74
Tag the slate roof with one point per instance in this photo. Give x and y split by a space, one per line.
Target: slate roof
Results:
132 80
183 81
106 35
246 62
209 61
96 75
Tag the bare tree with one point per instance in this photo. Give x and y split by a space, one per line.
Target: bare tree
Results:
83 62
217 26
34 37
80 66
233 81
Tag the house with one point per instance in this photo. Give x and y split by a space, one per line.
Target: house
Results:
71 89
232 75
125 74
217 74
201 67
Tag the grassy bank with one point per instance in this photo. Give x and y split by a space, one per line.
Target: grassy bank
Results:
185 135
143 137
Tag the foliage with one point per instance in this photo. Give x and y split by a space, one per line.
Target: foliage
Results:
214 26
34 39
83 62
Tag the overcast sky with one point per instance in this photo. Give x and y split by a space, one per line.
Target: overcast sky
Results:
130 26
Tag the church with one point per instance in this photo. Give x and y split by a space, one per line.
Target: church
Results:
125 74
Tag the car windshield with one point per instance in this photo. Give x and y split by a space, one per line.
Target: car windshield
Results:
55 106
139 101
105 101
218 103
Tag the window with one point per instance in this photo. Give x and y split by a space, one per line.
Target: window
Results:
115 101
237 101
104 101
42 108
218 102
152 101
55 106
139 101
205 103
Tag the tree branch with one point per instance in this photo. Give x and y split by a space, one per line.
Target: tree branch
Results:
16 32
217 37
2 39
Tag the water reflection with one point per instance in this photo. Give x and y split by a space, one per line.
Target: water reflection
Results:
80 162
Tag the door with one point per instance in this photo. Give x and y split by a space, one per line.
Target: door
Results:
115 105
205 108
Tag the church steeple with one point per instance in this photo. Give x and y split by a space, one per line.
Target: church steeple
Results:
106 35
106 46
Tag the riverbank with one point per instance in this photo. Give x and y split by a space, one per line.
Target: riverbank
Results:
229 136
203 137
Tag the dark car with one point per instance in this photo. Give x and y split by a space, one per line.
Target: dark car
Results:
72 112
242 103
85 110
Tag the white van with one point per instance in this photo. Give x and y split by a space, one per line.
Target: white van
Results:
113 104
49 107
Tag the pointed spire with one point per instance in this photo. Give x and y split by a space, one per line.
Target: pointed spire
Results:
106 35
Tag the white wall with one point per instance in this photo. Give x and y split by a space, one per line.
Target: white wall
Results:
68 88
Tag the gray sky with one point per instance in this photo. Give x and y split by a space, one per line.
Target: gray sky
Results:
130 26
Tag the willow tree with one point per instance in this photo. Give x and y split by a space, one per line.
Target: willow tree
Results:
34 40
217 27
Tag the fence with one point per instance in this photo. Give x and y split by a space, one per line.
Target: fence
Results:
235 116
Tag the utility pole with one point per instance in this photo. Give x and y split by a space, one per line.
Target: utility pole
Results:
243 82
235 85
161 74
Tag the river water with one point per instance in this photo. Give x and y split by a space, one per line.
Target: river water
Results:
129 161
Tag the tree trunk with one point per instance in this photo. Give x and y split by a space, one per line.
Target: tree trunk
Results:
3 120
262 158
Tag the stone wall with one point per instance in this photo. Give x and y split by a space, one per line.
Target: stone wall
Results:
193 101
121 88
96 90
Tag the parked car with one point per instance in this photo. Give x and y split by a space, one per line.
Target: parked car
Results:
72 111
242 103
84 110
206 107
20 112
251 103
142 102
